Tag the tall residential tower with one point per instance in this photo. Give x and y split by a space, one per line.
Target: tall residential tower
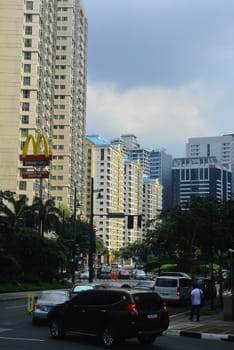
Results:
43 91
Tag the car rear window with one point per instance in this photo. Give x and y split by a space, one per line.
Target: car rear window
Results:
166 282
147 301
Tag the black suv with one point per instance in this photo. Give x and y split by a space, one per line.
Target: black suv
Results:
112 315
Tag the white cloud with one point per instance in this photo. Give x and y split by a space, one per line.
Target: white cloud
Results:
159 117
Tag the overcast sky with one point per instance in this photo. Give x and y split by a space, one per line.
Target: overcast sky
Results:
162 70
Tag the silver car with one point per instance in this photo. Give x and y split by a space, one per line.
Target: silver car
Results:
45 301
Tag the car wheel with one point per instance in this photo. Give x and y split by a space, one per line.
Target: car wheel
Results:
109 338
56 329
146 339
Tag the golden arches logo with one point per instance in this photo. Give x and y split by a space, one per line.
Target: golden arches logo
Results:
36 146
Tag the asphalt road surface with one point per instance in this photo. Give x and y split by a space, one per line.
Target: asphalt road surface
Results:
17 333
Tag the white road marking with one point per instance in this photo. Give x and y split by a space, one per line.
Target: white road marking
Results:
22 339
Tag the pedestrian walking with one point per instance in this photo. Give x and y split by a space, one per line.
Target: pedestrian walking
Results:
196 302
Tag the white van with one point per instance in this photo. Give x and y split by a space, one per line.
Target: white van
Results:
174 289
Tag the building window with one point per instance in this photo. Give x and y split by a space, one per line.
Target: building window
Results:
26 93
28 30
24 132
28 18
25 119
102 153
25 106
29 5
27 55
26 80
28 42
23 185
27 68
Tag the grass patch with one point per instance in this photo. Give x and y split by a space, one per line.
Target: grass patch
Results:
24 287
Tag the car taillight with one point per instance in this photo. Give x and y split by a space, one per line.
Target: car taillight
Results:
35 306
178 292
165 307
133 309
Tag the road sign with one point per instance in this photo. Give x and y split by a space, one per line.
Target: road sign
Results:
36 174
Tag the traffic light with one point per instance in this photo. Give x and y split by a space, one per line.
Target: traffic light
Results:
130 221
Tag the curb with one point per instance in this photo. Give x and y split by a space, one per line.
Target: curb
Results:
222 337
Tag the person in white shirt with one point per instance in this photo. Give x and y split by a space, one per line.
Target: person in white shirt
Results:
196 301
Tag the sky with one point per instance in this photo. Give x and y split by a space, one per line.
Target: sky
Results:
162 70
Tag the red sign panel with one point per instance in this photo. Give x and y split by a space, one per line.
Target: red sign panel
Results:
43 174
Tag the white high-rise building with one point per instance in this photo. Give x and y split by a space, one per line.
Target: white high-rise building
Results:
27 55
152 202
43 91
69 122
221 147
121 183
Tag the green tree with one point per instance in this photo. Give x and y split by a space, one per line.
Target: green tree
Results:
46 216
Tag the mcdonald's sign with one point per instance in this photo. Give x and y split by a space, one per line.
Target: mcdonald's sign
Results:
36 159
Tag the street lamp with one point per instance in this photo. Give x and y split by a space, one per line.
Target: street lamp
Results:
92 238
74 236
232 278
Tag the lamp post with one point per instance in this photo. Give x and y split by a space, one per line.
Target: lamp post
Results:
232 278
74 239
92 238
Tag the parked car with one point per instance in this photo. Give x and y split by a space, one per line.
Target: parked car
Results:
123 274
84 273
117 284
145 284
112 315
174 289
45 301
139 274
104 272
205 284
81 287
174 273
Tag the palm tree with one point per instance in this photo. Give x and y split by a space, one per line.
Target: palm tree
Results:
46 214
13 210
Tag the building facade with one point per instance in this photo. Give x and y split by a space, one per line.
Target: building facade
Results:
27 37
160 168
152 202
120 182
199 177
221 147
42 69
69 120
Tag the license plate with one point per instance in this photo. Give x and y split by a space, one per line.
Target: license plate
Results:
152 316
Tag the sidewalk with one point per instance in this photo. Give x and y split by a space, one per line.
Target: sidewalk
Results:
209 327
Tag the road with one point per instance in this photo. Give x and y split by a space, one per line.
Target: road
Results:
17 333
